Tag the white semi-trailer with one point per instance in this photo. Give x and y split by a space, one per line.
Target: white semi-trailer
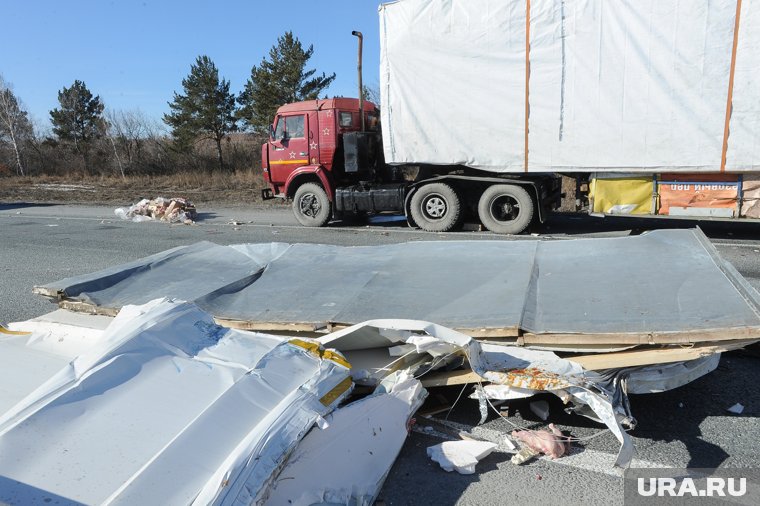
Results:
654 103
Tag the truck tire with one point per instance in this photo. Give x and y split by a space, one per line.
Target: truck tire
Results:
505 209
435 207
311 205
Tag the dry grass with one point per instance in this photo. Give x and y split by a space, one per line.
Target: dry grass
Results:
240 188
202 188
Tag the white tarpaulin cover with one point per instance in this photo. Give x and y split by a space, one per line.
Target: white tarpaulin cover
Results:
167 408
614 85
361 441
164 407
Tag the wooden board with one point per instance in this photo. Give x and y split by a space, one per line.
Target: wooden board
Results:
84 307
650 338
655 355
598 361
449 378
47 292
270 326
511 333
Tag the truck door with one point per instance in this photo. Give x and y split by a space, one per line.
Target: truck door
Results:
289 147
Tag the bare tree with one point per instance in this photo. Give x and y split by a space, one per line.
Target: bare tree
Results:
138 141
109 133
14 122
372 93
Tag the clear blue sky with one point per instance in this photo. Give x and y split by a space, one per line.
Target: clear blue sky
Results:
134 54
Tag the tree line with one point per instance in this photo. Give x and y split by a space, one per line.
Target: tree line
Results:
203 117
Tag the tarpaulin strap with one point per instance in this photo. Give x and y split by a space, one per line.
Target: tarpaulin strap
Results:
527 76
316 350
337 391
309 346
3 330
337 358
730 86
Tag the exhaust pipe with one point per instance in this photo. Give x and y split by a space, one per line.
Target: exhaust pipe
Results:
359 69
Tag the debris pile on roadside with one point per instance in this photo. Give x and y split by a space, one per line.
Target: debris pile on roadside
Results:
587 320
173 210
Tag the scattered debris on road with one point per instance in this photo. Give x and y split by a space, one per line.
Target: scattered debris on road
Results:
551 443
173 210
511 326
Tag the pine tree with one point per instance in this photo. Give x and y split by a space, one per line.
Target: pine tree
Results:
15 126
79 119
206 109
279 80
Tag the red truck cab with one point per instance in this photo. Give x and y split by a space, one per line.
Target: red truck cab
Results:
305 146
321 157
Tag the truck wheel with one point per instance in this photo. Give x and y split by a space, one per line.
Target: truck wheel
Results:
435 207
311 205
505 209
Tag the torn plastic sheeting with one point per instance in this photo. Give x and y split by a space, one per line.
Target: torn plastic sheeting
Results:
369 367
661 378
505 392
361 442
460 456
507 365
641 287
183 402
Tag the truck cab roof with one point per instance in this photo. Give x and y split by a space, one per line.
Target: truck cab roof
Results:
346 104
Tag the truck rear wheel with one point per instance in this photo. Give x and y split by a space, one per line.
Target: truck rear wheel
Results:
505 209
311 205
435 207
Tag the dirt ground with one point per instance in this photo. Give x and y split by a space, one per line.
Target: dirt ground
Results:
202 191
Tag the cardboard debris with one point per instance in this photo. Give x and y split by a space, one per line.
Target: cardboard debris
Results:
173 210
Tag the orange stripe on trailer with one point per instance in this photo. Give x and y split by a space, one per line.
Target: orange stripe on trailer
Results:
527 77
729 100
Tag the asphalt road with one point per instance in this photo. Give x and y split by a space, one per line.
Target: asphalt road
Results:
688 426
